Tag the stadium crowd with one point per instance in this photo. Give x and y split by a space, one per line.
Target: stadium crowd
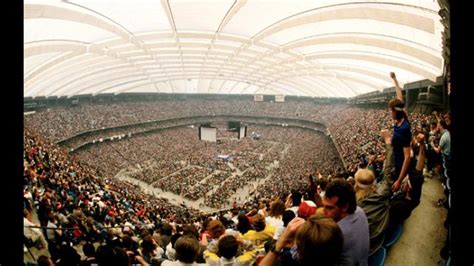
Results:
78 201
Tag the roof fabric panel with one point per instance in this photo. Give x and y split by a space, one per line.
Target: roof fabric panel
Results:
308 48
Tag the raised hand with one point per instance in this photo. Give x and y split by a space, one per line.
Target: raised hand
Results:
385 135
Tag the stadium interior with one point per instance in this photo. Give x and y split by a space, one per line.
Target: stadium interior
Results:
153 129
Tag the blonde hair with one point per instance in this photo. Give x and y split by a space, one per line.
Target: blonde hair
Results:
364 183
319 239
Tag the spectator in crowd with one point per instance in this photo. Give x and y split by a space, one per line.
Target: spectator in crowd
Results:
165 232
33 237
45 261
288 215
262 232
70 193
228 250
274 218
340 204
374 198
89 251
401 135
215 229
68 256
187 249
114 255
444 149
243 224
402 204
316 241
293 201
433 159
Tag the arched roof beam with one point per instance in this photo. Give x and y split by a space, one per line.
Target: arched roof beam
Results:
214 68
236 6
306 88
347 11
76 47
86 85
169 13
329 83
93 76
112 50
170 79
322 87
367 56
110 80
84 15
355 10
378 42
332 75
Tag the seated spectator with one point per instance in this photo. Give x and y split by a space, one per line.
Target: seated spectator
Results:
187 249
288 215
262 232
165 232
34 235
215 229
340 204
170 248
89 252
243 224
131 248
277 208
228 250
113 255
45 261
150 251
68 256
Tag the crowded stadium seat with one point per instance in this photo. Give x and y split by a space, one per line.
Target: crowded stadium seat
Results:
393 238
378 258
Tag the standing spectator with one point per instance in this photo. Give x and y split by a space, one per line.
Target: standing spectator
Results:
432 156
402 204
374 198
445 149
401 135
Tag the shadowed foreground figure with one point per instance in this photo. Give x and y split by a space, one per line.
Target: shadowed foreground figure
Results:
317 241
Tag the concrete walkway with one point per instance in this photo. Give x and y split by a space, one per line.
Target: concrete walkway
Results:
423 232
